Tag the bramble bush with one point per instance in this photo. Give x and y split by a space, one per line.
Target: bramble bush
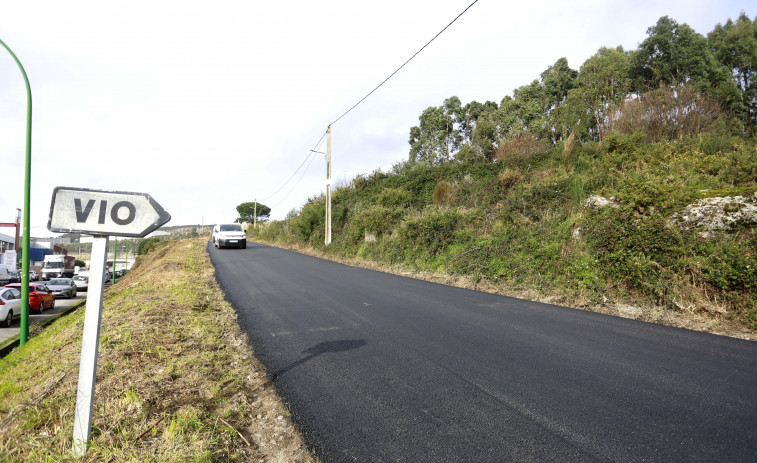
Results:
310 224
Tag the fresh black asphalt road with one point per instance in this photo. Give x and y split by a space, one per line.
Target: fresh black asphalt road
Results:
381 368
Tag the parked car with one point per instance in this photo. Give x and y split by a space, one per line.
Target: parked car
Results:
81 282
40 296
33 275
15 276
63 287
5 276
10 305
229 234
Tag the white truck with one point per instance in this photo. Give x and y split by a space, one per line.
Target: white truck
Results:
58 265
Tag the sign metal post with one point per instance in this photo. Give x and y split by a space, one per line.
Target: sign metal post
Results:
85 391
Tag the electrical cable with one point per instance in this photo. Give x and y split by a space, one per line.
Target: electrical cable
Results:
291 190
403 64
298 168
357 104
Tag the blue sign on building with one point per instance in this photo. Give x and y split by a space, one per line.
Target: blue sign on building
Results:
35 254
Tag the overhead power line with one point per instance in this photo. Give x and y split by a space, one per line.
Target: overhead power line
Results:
317 145
403 64
302 175
312 152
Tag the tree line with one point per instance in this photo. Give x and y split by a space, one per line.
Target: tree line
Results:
676 83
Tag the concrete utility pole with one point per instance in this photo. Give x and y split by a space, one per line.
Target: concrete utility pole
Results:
328 186
255 219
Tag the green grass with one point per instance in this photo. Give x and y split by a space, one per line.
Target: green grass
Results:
173 382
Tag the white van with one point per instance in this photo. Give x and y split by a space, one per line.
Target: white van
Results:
229 234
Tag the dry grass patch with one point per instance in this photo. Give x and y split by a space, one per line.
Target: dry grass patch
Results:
176 379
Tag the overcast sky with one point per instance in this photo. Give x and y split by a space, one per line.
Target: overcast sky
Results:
205 105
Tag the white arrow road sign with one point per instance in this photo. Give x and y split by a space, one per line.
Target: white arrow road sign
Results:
104 214
98 212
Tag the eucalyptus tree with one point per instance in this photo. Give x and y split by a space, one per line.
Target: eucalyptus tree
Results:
507 117
530 104
673 55
436 138
470 114
603 87
478 130
558 80
485 135
675 59
735 46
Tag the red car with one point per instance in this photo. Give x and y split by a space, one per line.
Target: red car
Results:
40 297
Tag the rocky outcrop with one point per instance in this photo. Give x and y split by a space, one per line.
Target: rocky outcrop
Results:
718 215
597 202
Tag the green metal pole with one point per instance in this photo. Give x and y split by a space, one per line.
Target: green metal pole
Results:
27 188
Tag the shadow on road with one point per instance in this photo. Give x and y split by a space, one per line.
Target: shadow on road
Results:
322 348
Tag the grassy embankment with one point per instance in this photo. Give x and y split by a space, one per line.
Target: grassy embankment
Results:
176 379
519 226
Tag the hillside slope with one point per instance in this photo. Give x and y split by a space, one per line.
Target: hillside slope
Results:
602 225
627 185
